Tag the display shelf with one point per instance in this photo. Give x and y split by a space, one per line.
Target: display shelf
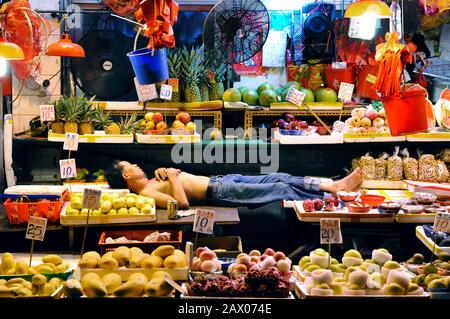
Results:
119 106
95 138
420 233
186 296
184 106
313 139
429 137
404 218
167 139
315 106
384 185
372 138
440 190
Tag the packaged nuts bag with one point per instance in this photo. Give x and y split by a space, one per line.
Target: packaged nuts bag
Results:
381 167
441 171
367 164
445 155
395 166
427 168
355 163
410 166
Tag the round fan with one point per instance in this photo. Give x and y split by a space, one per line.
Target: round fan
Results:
235 30
106 72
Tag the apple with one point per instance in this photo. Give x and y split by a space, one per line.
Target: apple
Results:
161 126
358 112
150 125
378 122
183 117
362 130
178 125
191 126
372 114
382 113
366 122
157 117
255 253
372 129
384 129
355 122
199 250
350 130
269 252
321 130
149 116
279 255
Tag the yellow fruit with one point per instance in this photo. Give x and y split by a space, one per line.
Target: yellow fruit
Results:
112 211
72 211
46 290
15 281
53 259
93 287
61 268
12 271
91 254
133 211
44 269
131 288
142 123
87 263
136 251
148 116
130 202
112 281
163 251
39 280
108 254
160 273
157 287
108 263
175 261
151 262
179 253
150 125
140 202
147 210
27 285
3 282
106 206
21 267
72 288
90 276
24 292
119 203
105 197
55 282
76 202
122 211
6 292
139 277
151 202
7 262
123 255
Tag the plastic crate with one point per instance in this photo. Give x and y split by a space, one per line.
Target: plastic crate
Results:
20 212
176 238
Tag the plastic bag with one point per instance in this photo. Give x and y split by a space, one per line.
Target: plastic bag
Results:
367 164
441 171
410 166
121 7
355 163
381 167
445 155
395 166
427 168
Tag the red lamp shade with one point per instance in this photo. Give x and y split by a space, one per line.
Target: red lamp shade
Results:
66 48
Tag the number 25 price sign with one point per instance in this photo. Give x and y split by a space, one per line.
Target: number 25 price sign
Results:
35 231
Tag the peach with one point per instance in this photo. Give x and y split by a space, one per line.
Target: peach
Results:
240 268
255 253
268 262
161 126
196 264
218 265
269 252
178 125
208 266
183 117
372 114
279 255
250 265
372 129
355 122
366 122
378 122
207 255
243 259
262 258
283 266
199 250
255 259
157 117
231 267
382 113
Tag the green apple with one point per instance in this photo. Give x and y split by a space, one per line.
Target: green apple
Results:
84 212
151 201
130 202
122 211
76 202
146 210
119 203
70 211
96 212
105 206
105 197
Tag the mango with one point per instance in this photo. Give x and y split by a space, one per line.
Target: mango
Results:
90 276
139 277
108 263
123 255
24 292
46 290
21 267
175 261
61 268
39 280
163 251
151 262
180 253
27 285
44 269
136 261
72 288
55 282
7 262
52 259
112 281
12 271
88 263
94 287
91 254
133 288
6 292
157 287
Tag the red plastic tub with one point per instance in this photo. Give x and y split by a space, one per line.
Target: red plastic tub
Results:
366 76
20 212
334 77
407 113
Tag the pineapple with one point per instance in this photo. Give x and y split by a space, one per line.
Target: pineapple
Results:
175 69
57 126
204 84
216 76
129 125
71 114
86 114
191 62
104 122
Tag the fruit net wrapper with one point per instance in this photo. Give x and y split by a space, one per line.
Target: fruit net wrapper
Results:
395 166
367 164
427 168
441 171
410 166
381 167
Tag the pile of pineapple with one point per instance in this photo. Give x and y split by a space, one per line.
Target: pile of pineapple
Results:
112 204
201 77
77 114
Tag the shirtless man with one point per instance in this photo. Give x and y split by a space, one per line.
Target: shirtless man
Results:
227 190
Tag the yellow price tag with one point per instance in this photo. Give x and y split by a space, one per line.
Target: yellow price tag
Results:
371 78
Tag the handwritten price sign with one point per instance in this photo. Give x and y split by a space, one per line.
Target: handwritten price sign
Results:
67 168
91 198
346 91
36 228
295 96
145 92
330 231
166 92
47 113
204 221
442 222
71 142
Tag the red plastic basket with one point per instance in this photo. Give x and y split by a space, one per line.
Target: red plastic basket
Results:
334 77
366 77
20 212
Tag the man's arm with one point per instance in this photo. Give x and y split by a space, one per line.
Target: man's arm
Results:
177 188
161 199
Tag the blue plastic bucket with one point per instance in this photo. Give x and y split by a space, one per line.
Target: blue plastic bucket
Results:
149 68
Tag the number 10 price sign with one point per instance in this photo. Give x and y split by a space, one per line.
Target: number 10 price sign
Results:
203 223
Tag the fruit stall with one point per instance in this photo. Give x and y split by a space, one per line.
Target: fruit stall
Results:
174 153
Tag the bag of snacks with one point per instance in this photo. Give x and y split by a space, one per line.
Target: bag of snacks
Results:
395 166
367 164
381 167
410 166
427 168
442 173
355 163
445 155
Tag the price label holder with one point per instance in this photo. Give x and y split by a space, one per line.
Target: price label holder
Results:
346 91
295 96
35 231
203 223
145 92
47 112
166 92
68 168
330 233
71 142
441 224
91 201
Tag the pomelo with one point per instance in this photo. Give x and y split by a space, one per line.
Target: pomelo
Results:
250 97
267 97
325 95
293 84
309 95
243 89
263 87
232 95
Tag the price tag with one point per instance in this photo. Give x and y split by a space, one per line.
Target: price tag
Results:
68 168
442 222
346 91
330 231
91 198
166 92
371 78
71 142
36 228
47 112
174 83
145 92
295 96
204 221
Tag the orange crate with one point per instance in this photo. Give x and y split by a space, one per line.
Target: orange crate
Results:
176 238
20 212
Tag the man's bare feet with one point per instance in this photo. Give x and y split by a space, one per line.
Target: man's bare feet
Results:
350 183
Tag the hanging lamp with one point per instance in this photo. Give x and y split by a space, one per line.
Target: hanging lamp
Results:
362 8
66 48
9 50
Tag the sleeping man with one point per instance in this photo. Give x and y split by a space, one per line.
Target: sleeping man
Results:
228 190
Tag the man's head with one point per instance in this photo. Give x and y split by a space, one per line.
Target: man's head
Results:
122 174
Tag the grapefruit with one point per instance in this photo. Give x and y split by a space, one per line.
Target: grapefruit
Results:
243 89
309 95
250 97
263 87
267 97
232 95
293 84
325 95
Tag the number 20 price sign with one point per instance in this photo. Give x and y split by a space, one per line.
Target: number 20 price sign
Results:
330 231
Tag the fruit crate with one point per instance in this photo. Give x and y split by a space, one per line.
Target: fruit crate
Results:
428 242
176 239
20 212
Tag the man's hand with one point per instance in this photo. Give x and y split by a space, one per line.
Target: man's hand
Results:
161 174
172 172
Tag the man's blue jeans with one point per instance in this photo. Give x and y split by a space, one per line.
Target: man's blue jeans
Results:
239 190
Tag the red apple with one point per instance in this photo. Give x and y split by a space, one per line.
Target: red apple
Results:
183 117
262 258
161 126
178 125
269 252
372 114
250 265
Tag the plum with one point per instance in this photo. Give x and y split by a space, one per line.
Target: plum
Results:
308 205
282 124
288 117
318 204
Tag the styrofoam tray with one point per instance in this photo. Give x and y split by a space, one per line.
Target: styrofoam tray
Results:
373 184
371 137
420 233
436 136
167 139
186 296
97 137
313 139
77 220
36 190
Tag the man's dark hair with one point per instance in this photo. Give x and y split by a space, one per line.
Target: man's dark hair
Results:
114 176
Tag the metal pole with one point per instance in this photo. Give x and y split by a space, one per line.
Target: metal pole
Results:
2 146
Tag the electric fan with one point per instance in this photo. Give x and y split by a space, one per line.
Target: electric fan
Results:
235 30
